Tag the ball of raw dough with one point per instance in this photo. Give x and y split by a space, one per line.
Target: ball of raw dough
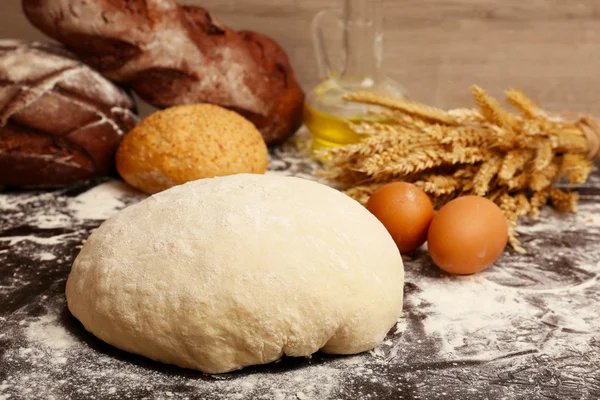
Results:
223 273
189 142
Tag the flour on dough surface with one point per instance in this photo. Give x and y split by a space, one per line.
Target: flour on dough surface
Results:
223 273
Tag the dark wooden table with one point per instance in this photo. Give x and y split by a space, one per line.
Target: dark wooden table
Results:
527 328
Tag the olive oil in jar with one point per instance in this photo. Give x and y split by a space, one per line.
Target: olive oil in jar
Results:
327 115
330 130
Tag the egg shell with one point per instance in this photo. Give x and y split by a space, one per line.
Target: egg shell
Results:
467 235
406 212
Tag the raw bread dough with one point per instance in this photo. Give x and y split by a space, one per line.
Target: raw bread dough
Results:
222 273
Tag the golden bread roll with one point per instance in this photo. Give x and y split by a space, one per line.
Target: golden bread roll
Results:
189 142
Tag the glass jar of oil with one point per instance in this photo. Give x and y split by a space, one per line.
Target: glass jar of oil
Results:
327 114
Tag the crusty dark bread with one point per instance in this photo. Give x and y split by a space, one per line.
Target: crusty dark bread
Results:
171 54
60 121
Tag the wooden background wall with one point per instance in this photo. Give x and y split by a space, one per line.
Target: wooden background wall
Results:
437 48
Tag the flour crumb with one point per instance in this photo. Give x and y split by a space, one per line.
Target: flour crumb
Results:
400 326
377 352
45 256
247 385
278 395
301 396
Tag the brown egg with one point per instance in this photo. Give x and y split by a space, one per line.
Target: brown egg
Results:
467 235
406 212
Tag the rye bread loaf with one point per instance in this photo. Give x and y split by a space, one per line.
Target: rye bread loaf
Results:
60 121
171 54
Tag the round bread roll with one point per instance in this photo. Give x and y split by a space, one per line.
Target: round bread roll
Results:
189 142
222 273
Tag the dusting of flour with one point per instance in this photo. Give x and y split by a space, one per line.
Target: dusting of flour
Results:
102 201
32 224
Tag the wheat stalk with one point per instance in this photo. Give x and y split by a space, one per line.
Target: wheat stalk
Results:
513 159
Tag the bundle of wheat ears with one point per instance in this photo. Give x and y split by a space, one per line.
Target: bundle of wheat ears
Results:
516 160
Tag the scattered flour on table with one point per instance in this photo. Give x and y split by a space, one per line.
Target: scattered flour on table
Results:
40 211
474 318
550 221
48 334
102 201
450 303
13 203
48 219
47 241
56 219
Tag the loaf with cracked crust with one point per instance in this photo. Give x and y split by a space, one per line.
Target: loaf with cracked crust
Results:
60 121
171 54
